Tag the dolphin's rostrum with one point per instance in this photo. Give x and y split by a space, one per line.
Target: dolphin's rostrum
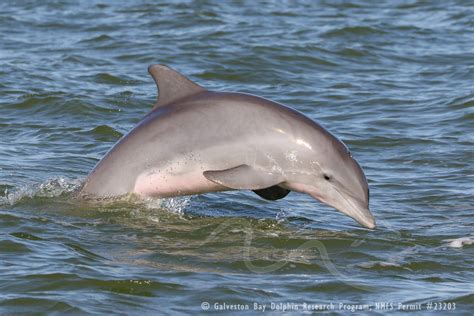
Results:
196 141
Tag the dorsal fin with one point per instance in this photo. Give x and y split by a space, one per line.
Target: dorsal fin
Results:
171 85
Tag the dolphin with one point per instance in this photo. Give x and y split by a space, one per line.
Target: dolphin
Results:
196 141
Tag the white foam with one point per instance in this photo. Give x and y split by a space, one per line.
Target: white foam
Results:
175 205
372 264
460 242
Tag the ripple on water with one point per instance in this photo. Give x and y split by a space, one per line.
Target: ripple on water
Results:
21 305
106 78
12 247
105 133
98 39
353 31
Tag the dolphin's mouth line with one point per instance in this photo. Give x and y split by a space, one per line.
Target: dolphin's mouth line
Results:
346 192
365 219
361 217
346 199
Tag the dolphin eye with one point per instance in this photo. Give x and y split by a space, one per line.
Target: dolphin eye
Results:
327 177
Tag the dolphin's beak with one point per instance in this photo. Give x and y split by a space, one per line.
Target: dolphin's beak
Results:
369 220
350 206
363 216
357 210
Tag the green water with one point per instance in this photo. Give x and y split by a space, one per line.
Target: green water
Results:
394 80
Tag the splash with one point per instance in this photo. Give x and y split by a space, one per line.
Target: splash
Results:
51 188
175 205
64 187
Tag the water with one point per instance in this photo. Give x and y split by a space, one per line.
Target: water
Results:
393 80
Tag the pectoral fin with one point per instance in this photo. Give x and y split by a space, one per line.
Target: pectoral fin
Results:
244 177
273 193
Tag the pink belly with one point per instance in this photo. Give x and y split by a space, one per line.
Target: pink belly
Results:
156 184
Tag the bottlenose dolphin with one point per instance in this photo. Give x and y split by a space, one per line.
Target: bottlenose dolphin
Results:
196 141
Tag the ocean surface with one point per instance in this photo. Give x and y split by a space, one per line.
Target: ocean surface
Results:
394 80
